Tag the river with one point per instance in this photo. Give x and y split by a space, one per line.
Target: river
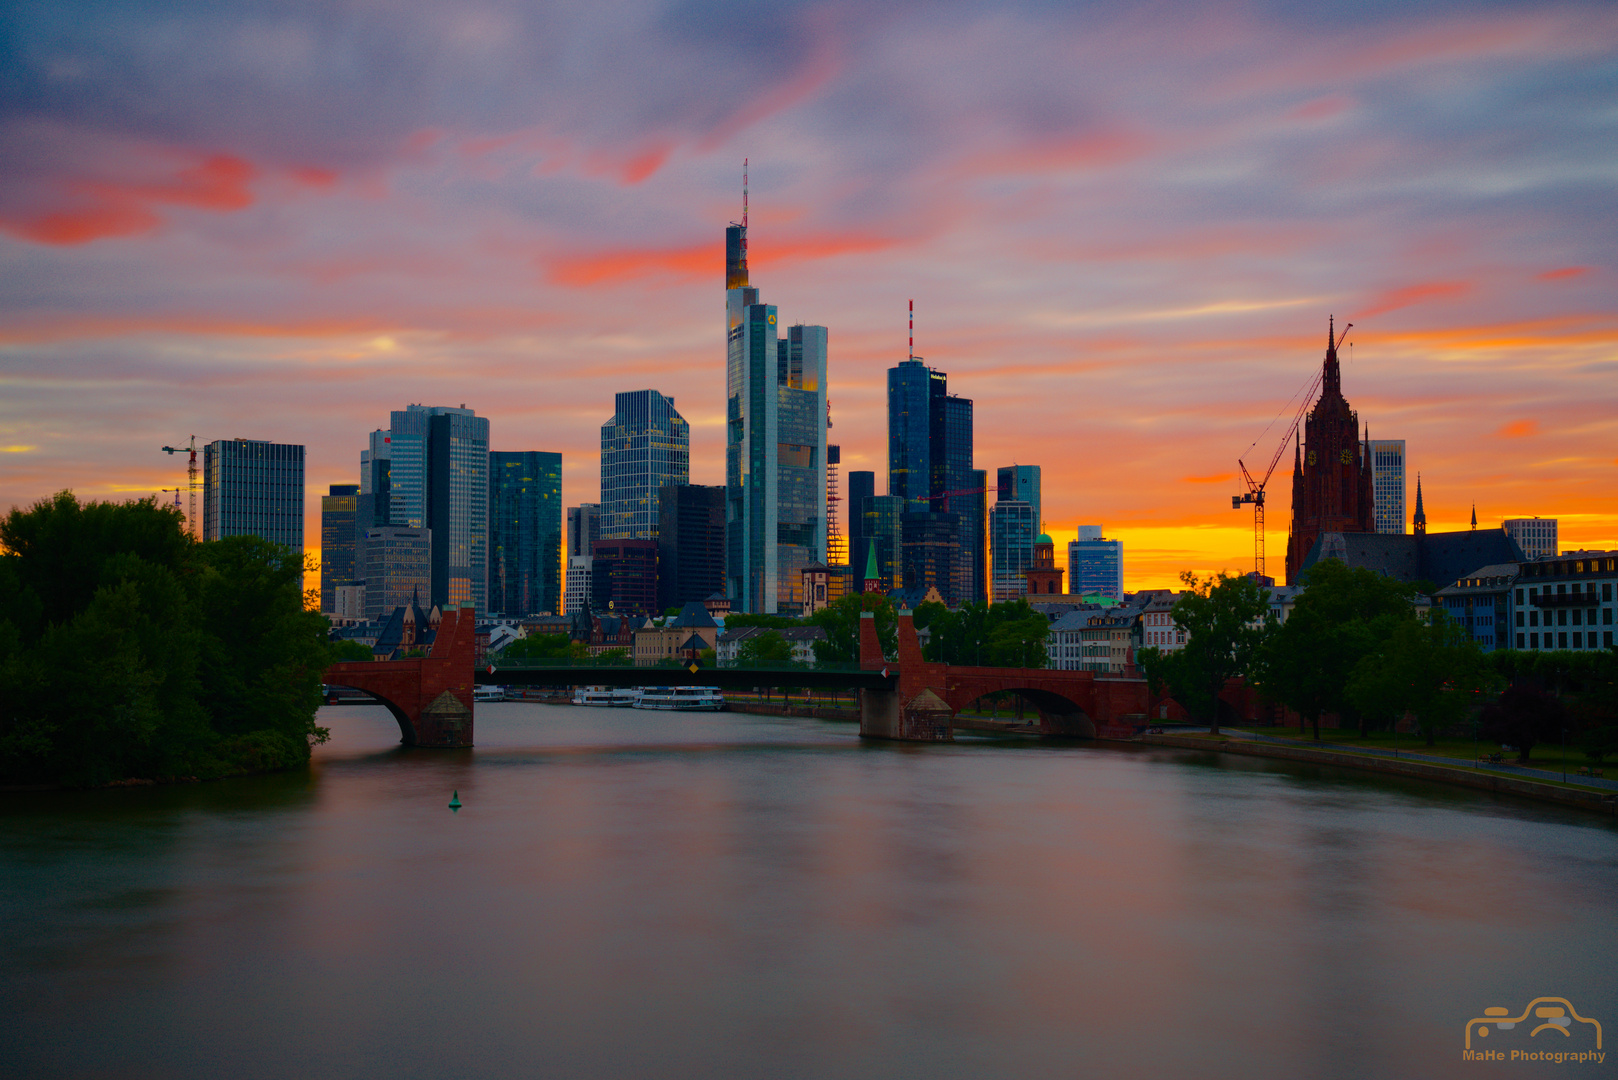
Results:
632 894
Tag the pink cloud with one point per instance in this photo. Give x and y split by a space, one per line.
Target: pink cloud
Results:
1518 429
1564 273
1394 299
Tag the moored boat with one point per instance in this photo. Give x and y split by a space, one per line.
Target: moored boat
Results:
681 698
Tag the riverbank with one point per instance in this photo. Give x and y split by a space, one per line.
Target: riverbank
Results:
1565 794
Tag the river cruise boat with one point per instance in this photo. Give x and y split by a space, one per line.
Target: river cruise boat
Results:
488 693
684 698
621 697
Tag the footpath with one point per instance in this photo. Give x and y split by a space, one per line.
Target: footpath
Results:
1588 794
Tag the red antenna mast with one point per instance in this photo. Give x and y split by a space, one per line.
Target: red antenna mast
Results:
912 329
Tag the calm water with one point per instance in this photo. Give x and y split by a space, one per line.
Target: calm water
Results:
632 894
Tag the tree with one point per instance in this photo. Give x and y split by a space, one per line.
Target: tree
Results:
1340 618
128 649
841 621
1431 669
1523 717
1226 621
544 647
768 649
1010 634
349 651
769 622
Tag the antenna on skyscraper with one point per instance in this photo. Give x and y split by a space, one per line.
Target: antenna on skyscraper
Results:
744 194
912 329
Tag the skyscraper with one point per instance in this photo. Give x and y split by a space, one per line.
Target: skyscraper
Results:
337 542
1387 458
252 488
458 508
398 567
1095 565
861 486
645 446
1331 478
624 576
1536 536
525 532
1021 482
583 528
1013 524
930 468
690 544
775 445
881 534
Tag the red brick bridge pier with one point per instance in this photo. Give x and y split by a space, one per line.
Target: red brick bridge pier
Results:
431 697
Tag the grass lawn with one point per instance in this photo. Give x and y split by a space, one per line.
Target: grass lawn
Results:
1547 756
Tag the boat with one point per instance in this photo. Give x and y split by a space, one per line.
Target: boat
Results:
622 697
681 698
488 693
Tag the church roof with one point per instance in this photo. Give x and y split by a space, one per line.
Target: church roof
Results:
1441 558
1044 538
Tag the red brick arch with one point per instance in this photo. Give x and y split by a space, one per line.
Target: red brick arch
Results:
431 698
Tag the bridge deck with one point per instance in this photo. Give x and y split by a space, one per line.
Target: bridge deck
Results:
722 677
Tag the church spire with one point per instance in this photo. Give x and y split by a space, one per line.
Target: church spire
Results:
1420 520
1474 517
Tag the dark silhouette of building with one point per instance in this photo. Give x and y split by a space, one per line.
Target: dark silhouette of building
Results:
525 532
930 469
583 528
337 515
624 577
1331 476
690 544
861 486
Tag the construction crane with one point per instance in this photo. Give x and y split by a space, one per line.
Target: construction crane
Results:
945 495
191 475
1254 495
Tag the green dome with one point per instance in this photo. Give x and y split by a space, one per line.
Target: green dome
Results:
1043 538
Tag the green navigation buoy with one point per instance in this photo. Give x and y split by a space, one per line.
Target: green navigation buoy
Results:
455 801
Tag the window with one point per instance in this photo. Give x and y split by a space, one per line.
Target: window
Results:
1606 616
1606 638
1519 618
1533 641
1533 618
1561 617
1519 596
1562 644
1577 616
1606 591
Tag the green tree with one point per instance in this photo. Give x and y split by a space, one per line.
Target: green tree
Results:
1524 717
769 622
543 647
1226 622
841 621
766 650
1431 669
1010 634
349 651
1340 618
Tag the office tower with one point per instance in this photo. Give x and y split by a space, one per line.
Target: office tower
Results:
690 544
775 445
1387 457
1331 478
252 488
1020 483
883 515
580 584
836 543
644 447
1013 524
930 556
525 532
1095 565
337 542
624 576
861 486
930 468
374 501
398 568
974 510
583 528
1536 536
439 481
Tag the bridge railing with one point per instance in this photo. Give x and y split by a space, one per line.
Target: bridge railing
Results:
619 663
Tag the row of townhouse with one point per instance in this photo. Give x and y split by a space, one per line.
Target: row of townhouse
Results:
1108 640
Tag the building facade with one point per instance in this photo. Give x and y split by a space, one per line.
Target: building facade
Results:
578 585
337 542
252 488
1480 603
438 480
1331 478
398 566
1020 483
775 445
1095 565
1536 536
645 447
1013 524
883 516
525 532
624 577
1387 457
861 486
1565 602
583 528
690 544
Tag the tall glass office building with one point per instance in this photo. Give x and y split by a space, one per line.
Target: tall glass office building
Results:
439 481
1021 483
252 488
930 468
775 446
337 542
1013 524
1095 565
1387 457
525 532
644 447
881 529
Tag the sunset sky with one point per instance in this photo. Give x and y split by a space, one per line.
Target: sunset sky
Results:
1123 226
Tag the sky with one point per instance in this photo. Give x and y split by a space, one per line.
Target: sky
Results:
1124 228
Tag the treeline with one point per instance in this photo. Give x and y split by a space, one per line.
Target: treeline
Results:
128 650
1356 646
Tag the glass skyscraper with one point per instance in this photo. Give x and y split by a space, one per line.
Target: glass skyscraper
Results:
1013 524
337 542
525 532
1021 482
439 481
775 446
252 488
883 514
930 468
1095 565
1387 457
644 447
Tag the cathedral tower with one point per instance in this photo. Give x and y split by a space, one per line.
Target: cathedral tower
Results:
1331 476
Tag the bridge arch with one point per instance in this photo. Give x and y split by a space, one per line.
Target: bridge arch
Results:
430 697
1059 713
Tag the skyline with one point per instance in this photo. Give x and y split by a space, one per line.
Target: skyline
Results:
1124 234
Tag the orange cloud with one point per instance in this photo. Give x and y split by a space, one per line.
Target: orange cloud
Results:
1219 478
1564 273
700 260
1517 429
1394 299
102 208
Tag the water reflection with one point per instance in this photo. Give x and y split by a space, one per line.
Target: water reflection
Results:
632 894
